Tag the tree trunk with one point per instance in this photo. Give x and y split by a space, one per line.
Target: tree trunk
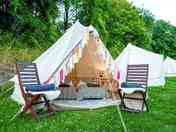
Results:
66 7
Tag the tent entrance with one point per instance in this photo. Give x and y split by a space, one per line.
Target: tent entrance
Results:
90 64
85 78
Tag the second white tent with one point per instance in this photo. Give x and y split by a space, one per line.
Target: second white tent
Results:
135 55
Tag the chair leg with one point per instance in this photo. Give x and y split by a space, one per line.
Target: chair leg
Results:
28 106
48 105
33 113
144 102
122 104
142 109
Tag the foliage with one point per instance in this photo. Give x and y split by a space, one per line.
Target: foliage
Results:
10 55
164 38
33 26
149 19
162 34
69 12
118 23
39 23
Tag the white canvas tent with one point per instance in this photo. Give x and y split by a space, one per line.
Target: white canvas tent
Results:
135 55
79 45
170 67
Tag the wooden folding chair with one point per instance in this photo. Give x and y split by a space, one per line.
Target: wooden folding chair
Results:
136 82
27 74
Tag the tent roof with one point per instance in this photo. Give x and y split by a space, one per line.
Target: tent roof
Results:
53 57
131 47
169 67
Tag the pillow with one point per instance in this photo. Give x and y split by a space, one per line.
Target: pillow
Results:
131 85
38 87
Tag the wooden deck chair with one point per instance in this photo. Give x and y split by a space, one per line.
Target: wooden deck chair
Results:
28 76
136 82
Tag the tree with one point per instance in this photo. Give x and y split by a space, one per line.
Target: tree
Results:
39 23
6 19
164 38
149 19
86 11
69 12
33 23
117 21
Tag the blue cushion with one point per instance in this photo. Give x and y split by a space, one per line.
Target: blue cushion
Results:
38 88
131 85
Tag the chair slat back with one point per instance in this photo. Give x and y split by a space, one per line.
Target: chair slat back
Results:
27 74
138 74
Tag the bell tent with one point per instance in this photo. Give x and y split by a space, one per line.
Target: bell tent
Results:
135 55
78 54
170 67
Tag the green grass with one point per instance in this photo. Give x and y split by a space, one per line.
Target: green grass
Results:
10 55
160 118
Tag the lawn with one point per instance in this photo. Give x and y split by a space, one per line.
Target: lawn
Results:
160 118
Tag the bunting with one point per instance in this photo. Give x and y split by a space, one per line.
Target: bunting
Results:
70 62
